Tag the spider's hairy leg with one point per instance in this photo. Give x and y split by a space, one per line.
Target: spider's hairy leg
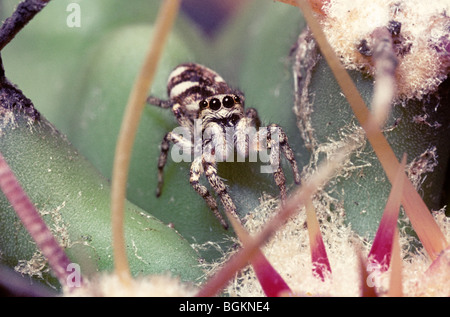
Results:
246 134
281 143
252 114
220 188
278 174
183 119
159 102
287 151
174 138
195 173
177 110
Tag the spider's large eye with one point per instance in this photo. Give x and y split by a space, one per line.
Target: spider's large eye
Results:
228 102
203 104
214 104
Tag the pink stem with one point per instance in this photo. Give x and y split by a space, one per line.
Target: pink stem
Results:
34 223
380 253
319 257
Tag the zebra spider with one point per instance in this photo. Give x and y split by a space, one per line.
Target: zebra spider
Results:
199 97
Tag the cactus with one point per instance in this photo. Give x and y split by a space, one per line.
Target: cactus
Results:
284 76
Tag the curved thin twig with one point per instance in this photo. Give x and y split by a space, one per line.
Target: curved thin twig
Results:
133 111
23 14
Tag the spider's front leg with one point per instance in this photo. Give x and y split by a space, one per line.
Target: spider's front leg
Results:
174 138
177 110
220 188
152 100
197 169
277 141
273 138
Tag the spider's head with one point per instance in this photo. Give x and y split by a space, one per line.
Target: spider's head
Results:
224 109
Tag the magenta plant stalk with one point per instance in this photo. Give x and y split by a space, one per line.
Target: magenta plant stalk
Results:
33 222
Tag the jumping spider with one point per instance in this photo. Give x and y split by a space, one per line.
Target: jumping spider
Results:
197 92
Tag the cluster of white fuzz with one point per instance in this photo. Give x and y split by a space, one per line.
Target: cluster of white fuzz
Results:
110 285
289 253
423 38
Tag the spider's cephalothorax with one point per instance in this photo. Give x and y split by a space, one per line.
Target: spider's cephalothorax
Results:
198 96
